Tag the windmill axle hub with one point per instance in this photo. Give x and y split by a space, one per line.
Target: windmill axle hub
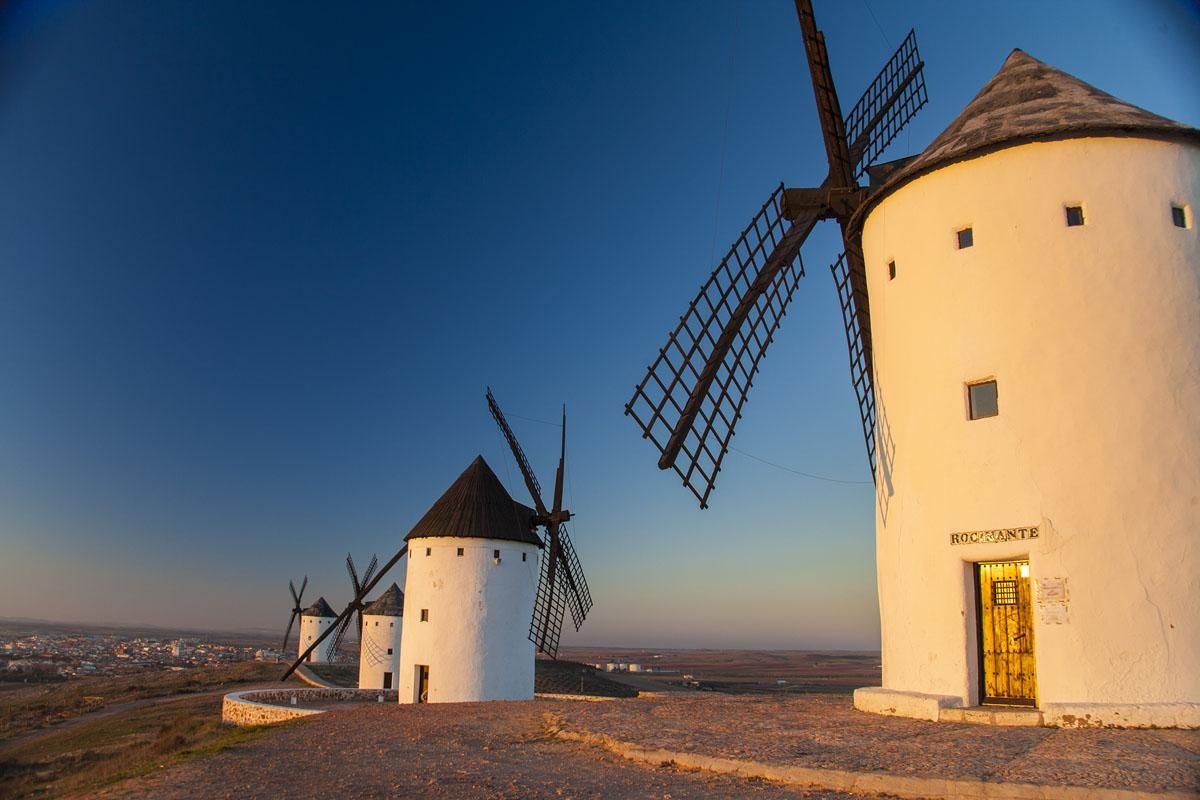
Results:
828 203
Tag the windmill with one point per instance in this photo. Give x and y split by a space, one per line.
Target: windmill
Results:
694 392
357 603
561 583
297 608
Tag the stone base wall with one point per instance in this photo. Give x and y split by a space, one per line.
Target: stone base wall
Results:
933 707
877 700
1124 715
269 706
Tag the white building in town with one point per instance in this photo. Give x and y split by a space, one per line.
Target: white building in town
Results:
469 593
313 622
379 645
1034 280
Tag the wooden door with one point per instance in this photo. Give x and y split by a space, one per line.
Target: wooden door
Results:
387 680
1008 673
422 683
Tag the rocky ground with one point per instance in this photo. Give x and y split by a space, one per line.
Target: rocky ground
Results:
507 750
487 750
824 731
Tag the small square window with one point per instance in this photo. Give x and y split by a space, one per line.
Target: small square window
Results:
424 615
983 399
966 238
428 551
1004 593
1179 216
1074 216
495 554
389 651
891 270
391 624
460 551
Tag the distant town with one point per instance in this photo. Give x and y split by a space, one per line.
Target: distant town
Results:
32 652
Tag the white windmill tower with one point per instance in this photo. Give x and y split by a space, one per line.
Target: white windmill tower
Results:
1021 304
314 622
472 576
379 654
477 608
1034 277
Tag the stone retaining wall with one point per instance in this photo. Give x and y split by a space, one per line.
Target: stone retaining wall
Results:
591 698
269 706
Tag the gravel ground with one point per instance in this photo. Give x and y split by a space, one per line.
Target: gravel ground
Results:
826 731
487 750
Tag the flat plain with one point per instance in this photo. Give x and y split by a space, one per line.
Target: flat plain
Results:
740 671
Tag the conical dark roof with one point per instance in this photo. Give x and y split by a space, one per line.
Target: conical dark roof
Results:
388 604
477 506
1028 101
319 609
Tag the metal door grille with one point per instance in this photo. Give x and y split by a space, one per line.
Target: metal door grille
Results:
1004 593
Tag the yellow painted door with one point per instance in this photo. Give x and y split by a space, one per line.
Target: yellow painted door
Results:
1007 668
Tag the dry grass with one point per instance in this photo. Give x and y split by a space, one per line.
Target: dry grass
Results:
29 708
94 753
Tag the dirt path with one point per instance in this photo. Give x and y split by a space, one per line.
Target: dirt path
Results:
489 750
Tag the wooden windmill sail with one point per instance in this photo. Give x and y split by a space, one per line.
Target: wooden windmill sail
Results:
358 603
693 394
297 610
561 584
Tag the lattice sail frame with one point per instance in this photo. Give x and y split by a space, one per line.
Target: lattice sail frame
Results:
337 639
861 375
659 400
569 591
549 607
561 582
659 403
579 598
892 99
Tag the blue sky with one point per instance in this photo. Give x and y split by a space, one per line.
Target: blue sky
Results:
258 263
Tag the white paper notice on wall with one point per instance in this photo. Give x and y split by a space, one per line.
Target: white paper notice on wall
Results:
1054 613
1052 600
1052 590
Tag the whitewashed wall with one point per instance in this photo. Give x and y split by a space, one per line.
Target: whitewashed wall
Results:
476 640
380 634
310 629
1093 335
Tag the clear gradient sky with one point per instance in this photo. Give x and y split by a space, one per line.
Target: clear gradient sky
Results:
258 262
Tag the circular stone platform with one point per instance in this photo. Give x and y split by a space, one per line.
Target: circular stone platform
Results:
269 706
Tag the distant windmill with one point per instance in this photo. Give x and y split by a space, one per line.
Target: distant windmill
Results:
296 610
561 584
357 603
693 393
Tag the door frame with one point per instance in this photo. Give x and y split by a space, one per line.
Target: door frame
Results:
418 669
981 671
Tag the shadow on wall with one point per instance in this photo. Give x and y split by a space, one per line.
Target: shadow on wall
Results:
885 453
